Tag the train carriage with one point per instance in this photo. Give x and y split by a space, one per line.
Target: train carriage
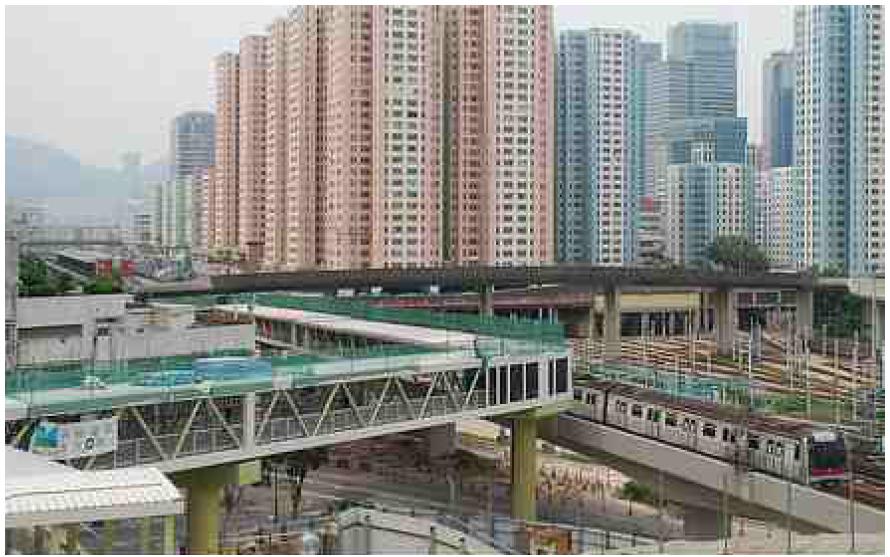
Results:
790 449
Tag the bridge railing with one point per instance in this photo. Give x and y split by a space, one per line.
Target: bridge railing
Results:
144 450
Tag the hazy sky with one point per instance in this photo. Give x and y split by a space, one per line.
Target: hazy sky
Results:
100 81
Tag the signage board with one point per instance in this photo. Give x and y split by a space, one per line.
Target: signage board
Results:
61 441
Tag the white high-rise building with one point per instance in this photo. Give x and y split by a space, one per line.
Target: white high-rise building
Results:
839 136
599 177
867 215
704 200
782 215
172 214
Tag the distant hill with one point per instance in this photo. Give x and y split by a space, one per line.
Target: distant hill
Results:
39 170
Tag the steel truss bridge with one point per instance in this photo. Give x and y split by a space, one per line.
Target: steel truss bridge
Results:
193 426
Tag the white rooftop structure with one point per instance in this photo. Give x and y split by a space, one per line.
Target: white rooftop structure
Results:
43 493
388 332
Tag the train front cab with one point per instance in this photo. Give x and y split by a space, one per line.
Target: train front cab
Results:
827 457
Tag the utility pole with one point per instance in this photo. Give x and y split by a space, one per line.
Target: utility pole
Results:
807 364
660 511
787 506
837 409
851 488
855 373
725 521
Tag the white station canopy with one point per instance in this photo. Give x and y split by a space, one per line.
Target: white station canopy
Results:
40 492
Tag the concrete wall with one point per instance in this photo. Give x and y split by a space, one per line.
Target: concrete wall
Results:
173 316
173 342
747 489
69 310
364 532
58 344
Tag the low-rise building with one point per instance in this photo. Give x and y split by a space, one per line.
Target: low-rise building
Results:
112 328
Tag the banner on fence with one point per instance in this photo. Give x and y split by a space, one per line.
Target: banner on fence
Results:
75 439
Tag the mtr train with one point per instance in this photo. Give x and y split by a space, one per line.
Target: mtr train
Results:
797 451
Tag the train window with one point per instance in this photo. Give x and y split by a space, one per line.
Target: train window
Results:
649 413
591 398
754 443
636 411
670 419
797 451
725 434
709 430
578 394
656 415
779 449
770 448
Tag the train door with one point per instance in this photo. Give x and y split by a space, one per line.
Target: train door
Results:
618 412
672 432
653 421
730 442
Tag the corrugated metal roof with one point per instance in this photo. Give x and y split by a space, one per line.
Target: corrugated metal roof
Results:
58 494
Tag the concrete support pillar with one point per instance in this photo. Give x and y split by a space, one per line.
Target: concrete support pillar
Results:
41 540
203 517
523 467
442 440
169 543
612 323
704 524
204 493
591 320
486 300
805 313
72 539
701 324
108 528
145 536
671 323
724 307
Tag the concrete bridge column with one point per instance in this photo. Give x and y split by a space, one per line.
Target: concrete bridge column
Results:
204 493
704 524
523 467
442 440
701 324
486 300
169 541
805 312
724 307
612 323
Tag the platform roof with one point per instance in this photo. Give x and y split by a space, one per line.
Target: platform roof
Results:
388 332
41 493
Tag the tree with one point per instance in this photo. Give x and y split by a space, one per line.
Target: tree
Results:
35 279
737 253
634 492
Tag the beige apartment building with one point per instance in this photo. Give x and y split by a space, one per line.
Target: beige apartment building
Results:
388 136
222 193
